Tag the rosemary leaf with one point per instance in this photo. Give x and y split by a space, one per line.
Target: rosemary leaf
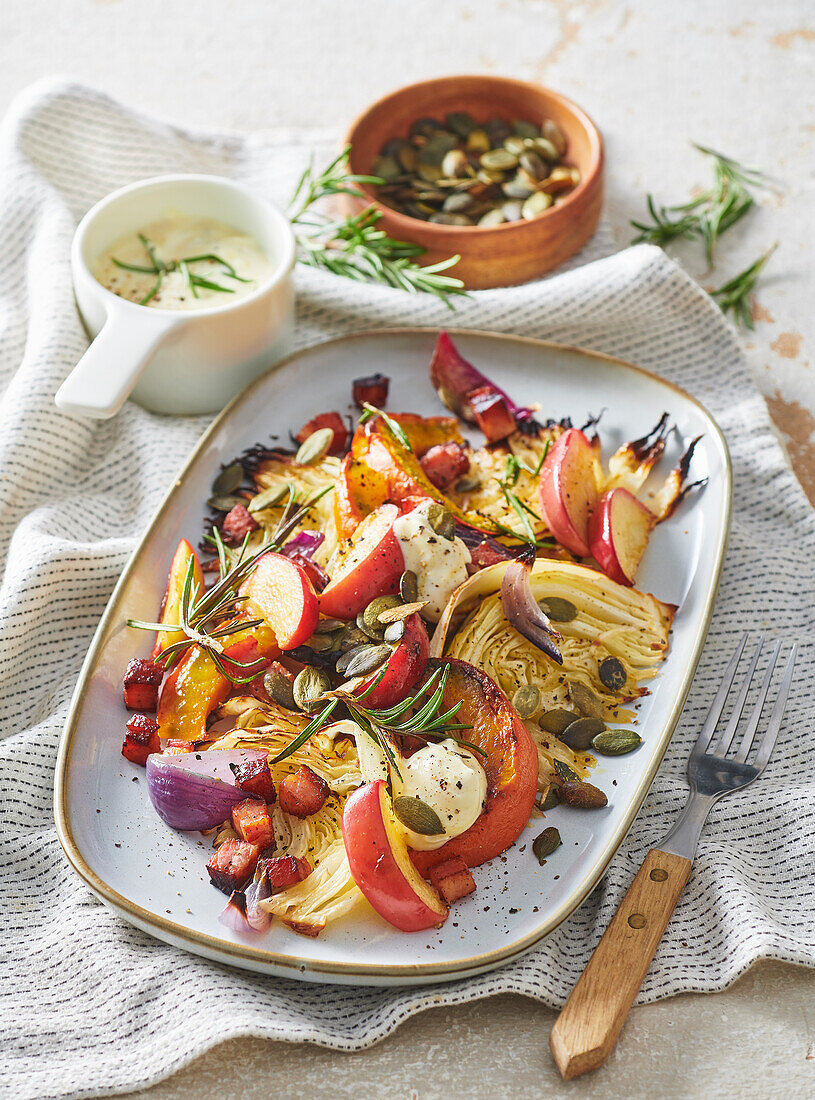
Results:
733 296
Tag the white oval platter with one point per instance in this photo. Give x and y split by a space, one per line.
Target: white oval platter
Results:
155 878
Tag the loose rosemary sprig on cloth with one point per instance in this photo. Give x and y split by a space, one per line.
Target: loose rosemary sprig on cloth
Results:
355 247
733 296
205 618
159 268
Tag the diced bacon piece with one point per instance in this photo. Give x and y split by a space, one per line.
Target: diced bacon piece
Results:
141 738
445 463
254 777
331 420
174 747
251 821
492 413
142 680
233 864
284 871
373 389
237 524
303 793
452 879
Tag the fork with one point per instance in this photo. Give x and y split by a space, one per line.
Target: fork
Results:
586 1030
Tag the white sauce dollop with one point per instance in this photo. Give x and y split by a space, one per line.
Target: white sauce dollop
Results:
439 564
176 237
450 780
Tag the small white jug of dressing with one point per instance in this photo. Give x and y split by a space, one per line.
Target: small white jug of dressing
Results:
177 361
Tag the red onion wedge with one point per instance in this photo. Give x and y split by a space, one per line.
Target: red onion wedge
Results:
454 379
233 914
523 610
196 790
258 890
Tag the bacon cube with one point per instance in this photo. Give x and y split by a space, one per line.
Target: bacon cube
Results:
373 389
141 738
445 463
331 420
254 777
142 680
284 871
251 821
233 864
303 793
452 879
491 413
237 524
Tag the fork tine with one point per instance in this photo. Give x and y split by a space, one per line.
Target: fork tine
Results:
717 706
755 717
767 743
724 742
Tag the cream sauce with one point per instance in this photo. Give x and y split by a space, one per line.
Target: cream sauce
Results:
439 564
449 779
177 237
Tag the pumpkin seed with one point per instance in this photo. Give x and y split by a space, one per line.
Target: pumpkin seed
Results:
583 796
320 643
489 176
527 701
514 145
429 172
552 132
367 659
329 626
400 613
536 204
370 615
228 480
342 662
525 129
616 742
468 484
279 687
550 798
559 179
492 217
585 700
225 504
449 219
407 157
478 141
461 123
497 131
315 448
454 163
441 521
546 843
517 188
556 721
394 632
409 586
387 168
499 160
458 202
310 684
557 609
612 673
533 165
547 149
423 127
351 637
417 816
567 774
268 498
579 734
372 633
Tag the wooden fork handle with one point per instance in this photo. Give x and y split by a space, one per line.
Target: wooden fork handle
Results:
586 1030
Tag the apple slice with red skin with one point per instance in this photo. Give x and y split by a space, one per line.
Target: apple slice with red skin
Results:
380 864
568 490
370 567
404 669
619 529
280 592
172 594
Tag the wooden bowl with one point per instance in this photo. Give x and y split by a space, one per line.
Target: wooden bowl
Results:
500 255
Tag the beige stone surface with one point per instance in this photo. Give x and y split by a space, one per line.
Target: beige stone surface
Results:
738 75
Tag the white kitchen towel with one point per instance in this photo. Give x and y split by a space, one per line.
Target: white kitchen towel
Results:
90 1006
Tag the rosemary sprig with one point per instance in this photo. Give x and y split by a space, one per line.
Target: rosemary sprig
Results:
733 295
711 213
396 429
512 471
193 281
205 618
354 247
